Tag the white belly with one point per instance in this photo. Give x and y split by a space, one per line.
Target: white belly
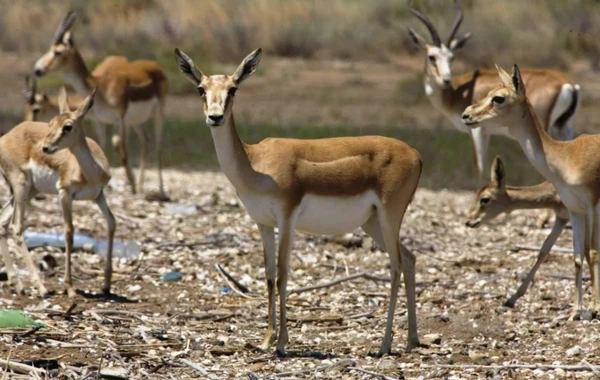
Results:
318 215
45 179
322 215
139 112
574 201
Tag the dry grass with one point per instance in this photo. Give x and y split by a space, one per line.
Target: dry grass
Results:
505 31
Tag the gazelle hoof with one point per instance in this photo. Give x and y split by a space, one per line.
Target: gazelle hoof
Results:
509 303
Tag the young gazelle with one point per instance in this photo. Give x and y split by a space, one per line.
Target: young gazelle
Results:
41 107
573 167
53 158
496 198
128 93
553 96
324 186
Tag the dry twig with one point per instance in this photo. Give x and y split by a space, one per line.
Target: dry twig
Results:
365 275
198 368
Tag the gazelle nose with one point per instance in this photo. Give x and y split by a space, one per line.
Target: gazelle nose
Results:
216 118
446 82
38 72
465 116
45 149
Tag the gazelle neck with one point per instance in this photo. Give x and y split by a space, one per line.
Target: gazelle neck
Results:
538 196
533 138
78 75
233 156
92 171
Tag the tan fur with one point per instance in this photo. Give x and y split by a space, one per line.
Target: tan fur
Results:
452 94
121 84
573 167
53 157
277 179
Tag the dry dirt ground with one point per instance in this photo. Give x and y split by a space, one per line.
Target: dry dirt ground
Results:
463 277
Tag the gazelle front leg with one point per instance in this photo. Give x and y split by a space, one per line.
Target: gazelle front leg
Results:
481 143
21 194
557 228
143 137
580 245
594 260
267 235
6 216
112 226
286 231
66 201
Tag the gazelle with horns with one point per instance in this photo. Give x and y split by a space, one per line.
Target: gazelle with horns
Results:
496 198
53 158
324 186
573 167
128 94
554 97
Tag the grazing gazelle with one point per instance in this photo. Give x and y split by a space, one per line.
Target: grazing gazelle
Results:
53 158
128 94
573 167
553 96
496 198
324 186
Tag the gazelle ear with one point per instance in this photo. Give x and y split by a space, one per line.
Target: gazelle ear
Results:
505 78
498 174
188 68
86 105
247 67
63 103
459 43
518 81
417 39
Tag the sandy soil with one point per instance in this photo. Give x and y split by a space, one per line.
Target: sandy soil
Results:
463 277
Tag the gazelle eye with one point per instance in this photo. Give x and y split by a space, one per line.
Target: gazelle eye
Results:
432 58
57 53
498 99
201 91
67 127
232 91
484 201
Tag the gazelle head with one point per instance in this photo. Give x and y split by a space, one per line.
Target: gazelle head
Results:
66 129
439 55
62 49
500 103
36 103
217 91
491 200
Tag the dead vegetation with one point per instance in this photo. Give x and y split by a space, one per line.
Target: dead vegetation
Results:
206 322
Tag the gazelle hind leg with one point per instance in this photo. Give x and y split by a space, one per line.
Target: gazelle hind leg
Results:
580 243
21 194
158 137
373 227
594 261
112 226
286 229
121 145
267 235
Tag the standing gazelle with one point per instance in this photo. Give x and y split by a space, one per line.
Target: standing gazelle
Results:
53 158
553 96
573 167
324 186
128 93
496 198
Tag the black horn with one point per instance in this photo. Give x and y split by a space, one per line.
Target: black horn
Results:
65 25
437 41
457 22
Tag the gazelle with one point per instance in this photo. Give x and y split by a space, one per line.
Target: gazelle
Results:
324 186
573 167
496 198
554 97
53 158
128 93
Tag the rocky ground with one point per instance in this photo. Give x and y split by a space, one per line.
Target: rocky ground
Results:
463 277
